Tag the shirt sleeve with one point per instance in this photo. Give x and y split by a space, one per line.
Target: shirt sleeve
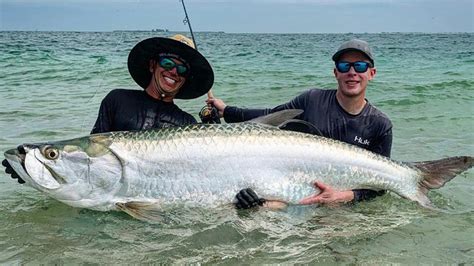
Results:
366 194
233 114
190 120
384 146
104 118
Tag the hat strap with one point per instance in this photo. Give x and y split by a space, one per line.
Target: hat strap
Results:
161 92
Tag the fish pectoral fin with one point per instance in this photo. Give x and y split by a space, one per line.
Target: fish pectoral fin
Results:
146 211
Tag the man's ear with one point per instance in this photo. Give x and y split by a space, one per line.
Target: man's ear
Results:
373 71
152 65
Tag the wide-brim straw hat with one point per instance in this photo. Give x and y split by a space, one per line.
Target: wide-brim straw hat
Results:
200 78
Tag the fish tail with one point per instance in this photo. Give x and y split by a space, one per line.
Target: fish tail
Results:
437 173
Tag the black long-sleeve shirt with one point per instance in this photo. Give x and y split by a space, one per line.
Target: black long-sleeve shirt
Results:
123 110
370 129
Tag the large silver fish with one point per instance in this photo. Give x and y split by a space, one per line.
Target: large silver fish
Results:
206 165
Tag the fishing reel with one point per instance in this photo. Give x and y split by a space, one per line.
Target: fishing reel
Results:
209 115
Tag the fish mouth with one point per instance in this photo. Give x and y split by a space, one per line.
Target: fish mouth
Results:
17 155
17 159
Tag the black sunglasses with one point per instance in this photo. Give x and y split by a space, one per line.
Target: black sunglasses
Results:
359 66
168 64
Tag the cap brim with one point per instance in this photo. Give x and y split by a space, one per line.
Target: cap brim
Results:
200 78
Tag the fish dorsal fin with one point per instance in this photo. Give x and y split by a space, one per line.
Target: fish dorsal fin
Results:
300 126
277 118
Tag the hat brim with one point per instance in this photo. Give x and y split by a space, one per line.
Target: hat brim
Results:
338 54
200 78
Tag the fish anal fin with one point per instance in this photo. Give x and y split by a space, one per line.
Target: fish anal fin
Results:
146 211
422 198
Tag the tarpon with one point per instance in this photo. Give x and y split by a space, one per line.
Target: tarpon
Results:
207 164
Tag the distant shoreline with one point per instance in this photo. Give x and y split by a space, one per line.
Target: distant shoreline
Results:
222 32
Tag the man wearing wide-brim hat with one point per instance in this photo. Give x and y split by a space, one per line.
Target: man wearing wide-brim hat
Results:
167 69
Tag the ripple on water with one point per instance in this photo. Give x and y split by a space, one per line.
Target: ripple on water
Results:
223 235
46 73
38 134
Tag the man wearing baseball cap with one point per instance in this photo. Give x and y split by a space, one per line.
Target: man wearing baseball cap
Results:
343 114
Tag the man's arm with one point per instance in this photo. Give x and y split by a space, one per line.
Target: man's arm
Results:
328 195
103 122
233 114
384 145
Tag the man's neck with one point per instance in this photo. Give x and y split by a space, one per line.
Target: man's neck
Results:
352 105
155 95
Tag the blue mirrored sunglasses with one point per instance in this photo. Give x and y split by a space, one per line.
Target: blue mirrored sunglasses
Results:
168 64
359 66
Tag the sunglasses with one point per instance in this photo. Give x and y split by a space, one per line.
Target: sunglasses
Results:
168 64
359 66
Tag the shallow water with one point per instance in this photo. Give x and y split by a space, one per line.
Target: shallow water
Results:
51 85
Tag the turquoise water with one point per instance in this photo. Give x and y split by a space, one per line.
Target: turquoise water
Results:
51 85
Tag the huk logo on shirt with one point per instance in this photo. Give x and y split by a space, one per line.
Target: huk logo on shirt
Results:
362 141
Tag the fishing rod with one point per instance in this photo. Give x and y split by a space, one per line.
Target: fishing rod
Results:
208 113
187 21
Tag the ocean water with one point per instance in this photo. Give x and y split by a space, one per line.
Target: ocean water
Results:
51 85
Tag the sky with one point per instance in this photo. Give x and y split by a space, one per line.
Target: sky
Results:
240 16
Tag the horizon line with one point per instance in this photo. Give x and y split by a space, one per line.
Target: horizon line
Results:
223 32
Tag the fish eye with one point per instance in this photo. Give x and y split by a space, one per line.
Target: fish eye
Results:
51 153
